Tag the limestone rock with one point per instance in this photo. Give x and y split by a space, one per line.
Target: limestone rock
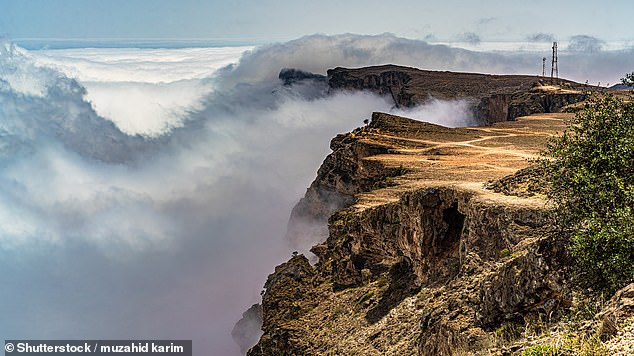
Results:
528 103
284 289
430 264
292 76
619 309
344 173
492 98
248 330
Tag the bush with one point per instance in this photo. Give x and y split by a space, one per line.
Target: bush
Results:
628 79
592 175
539 350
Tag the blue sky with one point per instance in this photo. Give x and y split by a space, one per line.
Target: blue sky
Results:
279 20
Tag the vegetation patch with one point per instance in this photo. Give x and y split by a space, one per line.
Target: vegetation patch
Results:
591 170
539 350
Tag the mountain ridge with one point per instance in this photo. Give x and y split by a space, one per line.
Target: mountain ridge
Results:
430 241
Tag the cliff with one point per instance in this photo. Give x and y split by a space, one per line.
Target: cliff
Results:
424 259
437 244
429 240
492 98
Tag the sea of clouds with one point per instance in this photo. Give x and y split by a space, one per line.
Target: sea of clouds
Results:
144 193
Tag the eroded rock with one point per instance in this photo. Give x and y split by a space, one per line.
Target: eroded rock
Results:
248 330
619 309
430 264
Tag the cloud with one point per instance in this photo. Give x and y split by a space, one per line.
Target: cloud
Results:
585 44
486 20
430 37
143 91
449 113
470 37
317 53
138 65
160 231
540 37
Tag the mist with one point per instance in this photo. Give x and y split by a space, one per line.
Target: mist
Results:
146 198
108 232
316 53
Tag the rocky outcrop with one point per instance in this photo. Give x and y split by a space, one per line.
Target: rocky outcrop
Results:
392 81
431 263
248 330
292 76
527 182
494 108
619 309
493 98
287 288
528 103
617 321
540 99
345 172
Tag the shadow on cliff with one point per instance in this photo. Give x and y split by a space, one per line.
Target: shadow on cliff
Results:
403 283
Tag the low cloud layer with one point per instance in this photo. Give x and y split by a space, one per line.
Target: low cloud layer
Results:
451 113
470 37
585 44
165 237
317 53
143 91
540 37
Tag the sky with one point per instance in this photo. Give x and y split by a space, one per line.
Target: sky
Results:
281 20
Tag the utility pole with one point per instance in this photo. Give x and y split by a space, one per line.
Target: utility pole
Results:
554 69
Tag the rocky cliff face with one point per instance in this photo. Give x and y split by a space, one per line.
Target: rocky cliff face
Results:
493 98
441 245
247 330
528 103
503 107
425 261
347 171
391 80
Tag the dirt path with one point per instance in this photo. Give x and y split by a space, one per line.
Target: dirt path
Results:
460 156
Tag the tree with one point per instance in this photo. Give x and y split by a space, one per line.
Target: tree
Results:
628 80
592 175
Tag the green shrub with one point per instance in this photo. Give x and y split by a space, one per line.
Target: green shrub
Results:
539 350
364 298
591 167
628 79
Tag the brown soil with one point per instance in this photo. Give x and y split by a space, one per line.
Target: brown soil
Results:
433 155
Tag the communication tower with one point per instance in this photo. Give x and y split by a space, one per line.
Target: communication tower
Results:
554 70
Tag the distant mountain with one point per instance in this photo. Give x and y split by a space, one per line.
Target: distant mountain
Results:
621 87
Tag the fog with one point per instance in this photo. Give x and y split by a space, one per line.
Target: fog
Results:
145 193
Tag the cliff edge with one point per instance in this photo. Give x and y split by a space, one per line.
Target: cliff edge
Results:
492 98
423 260
439 241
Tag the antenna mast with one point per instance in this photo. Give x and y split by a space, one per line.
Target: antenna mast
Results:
554 70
